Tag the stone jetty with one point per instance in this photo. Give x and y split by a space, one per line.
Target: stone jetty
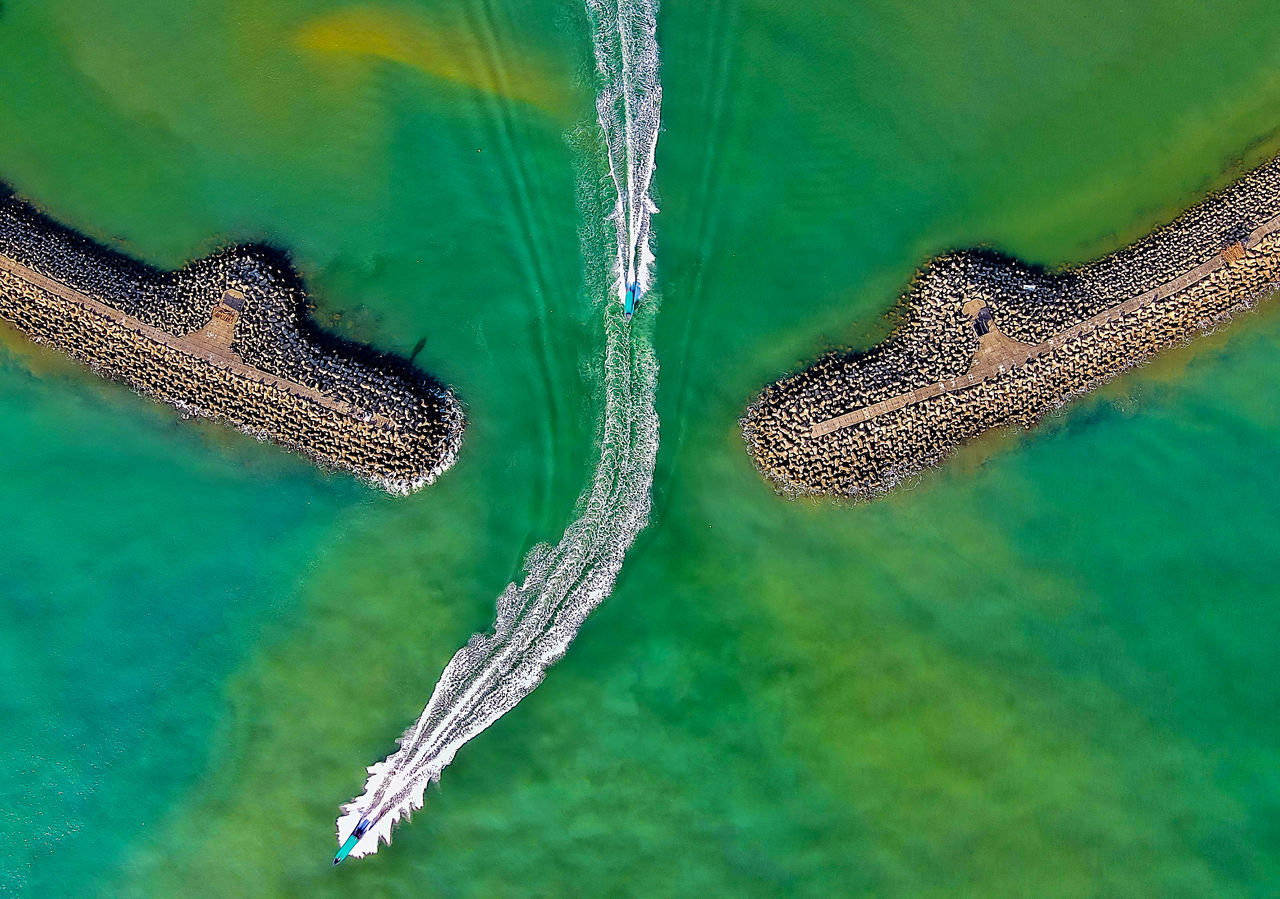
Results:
228 337
986 341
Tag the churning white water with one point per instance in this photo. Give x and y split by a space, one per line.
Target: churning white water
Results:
538 618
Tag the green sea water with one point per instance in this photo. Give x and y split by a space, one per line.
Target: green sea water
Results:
1048 668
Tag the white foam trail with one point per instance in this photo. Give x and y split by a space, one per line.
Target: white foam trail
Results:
538 619
629 110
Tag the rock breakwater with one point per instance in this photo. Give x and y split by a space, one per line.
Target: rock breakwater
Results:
228 337
987 341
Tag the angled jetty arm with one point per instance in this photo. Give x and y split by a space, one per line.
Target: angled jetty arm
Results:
987 341
227 338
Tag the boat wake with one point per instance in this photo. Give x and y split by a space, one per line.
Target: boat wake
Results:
629 107
538 618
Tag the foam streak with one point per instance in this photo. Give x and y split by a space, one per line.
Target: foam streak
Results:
538 619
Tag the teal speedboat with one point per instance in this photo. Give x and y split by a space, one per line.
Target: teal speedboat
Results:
632 300
361 829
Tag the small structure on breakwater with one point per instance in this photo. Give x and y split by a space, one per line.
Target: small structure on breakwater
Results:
987 341
221 330
228 337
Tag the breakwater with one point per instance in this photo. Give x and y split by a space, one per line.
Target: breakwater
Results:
228 337
986 341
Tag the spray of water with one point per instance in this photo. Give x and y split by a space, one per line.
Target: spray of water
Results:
629 110
538 618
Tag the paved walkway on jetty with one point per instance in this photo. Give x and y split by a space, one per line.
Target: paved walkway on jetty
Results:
998 353
197 345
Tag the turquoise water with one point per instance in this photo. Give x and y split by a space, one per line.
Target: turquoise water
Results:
1047 668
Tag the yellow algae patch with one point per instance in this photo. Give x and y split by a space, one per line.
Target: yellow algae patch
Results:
40 360
452 54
